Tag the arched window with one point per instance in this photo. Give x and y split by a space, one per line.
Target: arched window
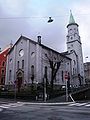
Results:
32 69
32 73
45 74
3 63
18 65
22 64
10 73
2 72
62 76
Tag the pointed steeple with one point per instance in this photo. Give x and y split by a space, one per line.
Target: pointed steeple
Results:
71 20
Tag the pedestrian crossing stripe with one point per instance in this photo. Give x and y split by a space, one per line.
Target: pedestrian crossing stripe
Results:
79 104
88 105
17 104
11 105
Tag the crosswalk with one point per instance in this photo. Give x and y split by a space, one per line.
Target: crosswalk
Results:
79 104
18 104
9 105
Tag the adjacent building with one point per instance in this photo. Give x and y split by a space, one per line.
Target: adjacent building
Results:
3 58
87 72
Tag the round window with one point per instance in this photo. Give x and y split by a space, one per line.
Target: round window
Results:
21 52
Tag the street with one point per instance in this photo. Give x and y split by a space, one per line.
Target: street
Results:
44 111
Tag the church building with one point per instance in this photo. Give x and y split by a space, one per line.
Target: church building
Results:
30 62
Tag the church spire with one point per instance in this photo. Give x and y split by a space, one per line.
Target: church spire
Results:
71 20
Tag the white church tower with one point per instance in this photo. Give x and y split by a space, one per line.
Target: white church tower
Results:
74 48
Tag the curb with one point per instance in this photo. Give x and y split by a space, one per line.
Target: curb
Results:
31 103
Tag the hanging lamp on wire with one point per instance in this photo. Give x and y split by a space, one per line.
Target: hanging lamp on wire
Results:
50 20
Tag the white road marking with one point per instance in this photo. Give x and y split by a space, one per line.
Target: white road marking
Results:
77 104
81 104
88 105
11 105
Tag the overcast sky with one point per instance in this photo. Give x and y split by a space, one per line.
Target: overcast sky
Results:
29 18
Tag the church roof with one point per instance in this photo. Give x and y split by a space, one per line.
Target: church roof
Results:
25 38
71 19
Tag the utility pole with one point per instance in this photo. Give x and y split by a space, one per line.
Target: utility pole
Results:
66 79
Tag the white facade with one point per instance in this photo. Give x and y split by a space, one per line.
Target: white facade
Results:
27 53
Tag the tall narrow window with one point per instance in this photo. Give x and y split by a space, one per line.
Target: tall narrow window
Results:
62 76
22 64
10 73
18 65
32 69
45 72
3 64
32 73
2 80
2 72
73 70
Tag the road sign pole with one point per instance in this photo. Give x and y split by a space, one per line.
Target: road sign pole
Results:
66 79
66 92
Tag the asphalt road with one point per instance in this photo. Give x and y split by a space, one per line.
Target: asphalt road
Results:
32 111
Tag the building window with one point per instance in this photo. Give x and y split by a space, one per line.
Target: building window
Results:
2 72
71 38
10 73
21 52
33 54
68 47
2 80
67 63
73 70
3 64
18 65
62 76
72 45
71 50
32 73
10 60
22 64
45 72
74 62
70 29
32 69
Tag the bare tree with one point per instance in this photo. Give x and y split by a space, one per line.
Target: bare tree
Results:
54 65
